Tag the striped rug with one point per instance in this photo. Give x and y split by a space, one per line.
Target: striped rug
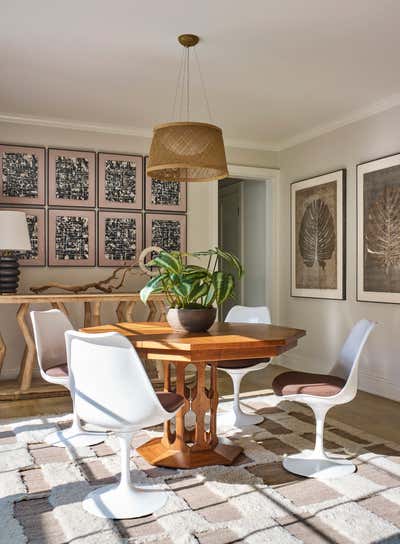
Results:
254 501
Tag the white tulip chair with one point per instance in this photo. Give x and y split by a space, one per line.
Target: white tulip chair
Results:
112 390
322 392
49 328
238 369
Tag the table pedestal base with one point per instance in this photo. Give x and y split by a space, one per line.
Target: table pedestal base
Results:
193 442
157 454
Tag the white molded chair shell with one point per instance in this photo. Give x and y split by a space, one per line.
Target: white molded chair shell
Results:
243 314
111 386
112 390
49 328
315 463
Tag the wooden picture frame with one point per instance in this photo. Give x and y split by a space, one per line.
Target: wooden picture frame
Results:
120 181
378 230
159 226
36 219
125 248
72 178
318 236
22 175
71 237
168 196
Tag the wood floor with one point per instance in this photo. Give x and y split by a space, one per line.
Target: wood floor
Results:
367 412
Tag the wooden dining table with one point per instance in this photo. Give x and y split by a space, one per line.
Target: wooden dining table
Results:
197 444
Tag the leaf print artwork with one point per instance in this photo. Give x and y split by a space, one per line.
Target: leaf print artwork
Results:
382 233
317 238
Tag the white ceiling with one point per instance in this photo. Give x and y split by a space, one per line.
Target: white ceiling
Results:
276 71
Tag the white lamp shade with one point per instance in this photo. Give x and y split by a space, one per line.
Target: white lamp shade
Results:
14 234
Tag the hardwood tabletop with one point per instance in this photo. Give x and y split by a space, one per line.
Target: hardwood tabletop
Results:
224 341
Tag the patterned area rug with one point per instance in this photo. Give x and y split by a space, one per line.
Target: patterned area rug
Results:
254 501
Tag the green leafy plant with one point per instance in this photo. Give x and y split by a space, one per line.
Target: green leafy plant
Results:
191 286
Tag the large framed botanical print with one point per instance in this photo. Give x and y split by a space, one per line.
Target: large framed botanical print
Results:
72 178
318 236
72 237
168 196
120 238
378 230
22 175
167 231
120 181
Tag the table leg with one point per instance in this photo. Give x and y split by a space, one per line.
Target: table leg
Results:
183 448
28 360
60 306
3 350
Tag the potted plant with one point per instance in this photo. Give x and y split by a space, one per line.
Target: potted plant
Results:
192 290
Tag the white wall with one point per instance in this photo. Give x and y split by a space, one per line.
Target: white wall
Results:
200 233
326 321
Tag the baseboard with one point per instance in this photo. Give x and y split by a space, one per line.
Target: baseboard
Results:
377 385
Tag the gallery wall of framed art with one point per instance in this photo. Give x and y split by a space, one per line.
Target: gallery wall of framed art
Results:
90 208
318 234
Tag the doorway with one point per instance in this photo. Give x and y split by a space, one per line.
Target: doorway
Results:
242 230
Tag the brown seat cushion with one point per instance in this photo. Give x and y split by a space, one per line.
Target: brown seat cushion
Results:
240 363
170 401
304 383
58 371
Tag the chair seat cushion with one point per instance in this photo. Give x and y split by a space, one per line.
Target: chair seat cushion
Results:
240 363
58 371
305 383
170 401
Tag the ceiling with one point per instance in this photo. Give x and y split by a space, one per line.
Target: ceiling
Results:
276 71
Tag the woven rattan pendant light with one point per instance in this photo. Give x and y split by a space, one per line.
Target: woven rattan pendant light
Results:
187 151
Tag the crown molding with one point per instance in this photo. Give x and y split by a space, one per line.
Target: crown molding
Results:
357 115
83 126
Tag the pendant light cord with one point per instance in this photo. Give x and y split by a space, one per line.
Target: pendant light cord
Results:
183 87
203 86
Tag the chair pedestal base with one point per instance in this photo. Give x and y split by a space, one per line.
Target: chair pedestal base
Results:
124 501
238 419
309 464
74 437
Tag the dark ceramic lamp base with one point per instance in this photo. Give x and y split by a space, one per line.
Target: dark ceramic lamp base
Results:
9 274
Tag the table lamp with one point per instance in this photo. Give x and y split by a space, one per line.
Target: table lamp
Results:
14 236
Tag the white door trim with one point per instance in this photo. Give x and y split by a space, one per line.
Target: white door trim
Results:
271 177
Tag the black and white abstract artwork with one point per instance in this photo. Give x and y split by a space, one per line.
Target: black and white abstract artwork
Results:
166 231
20 175
72 178
165 196
72 238
166 234
120 181
120 239
165 193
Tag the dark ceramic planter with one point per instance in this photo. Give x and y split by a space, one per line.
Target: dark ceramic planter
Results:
199 320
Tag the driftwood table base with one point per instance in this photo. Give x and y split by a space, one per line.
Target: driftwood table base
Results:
194 441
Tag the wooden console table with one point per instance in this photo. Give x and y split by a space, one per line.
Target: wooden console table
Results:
23 386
